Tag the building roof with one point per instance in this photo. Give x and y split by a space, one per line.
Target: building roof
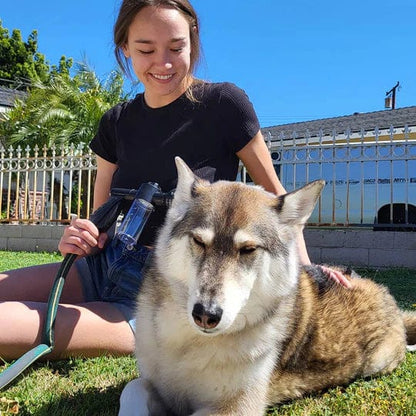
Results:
356 122
8 96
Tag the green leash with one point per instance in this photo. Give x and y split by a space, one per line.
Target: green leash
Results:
47 345
103 218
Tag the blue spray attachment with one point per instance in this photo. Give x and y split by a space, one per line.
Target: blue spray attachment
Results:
132 225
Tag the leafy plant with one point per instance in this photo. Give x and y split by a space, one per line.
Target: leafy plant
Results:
62 111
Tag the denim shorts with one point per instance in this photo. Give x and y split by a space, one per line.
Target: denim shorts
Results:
114 275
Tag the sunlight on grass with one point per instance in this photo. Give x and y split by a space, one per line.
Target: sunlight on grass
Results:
12 260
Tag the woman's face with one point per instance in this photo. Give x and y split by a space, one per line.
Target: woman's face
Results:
160 50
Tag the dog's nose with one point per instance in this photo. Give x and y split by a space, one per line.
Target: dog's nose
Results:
206 318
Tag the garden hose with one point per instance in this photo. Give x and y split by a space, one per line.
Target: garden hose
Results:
47 345
104 217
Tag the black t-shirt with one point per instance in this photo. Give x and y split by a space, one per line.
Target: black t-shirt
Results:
206 134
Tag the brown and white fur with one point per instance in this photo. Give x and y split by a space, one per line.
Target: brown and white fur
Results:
227 321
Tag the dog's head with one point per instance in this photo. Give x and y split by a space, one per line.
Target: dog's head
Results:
228 250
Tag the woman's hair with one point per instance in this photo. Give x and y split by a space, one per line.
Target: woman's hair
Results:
129 10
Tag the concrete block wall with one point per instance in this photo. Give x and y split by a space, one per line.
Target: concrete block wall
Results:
358 248
30 237
363 248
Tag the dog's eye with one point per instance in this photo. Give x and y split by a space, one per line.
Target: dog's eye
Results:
197 240
247 249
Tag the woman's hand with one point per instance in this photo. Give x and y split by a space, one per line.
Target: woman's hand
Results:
336 276
81 237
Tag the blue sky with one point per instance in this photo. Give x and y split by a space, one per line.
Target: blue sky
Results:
297 60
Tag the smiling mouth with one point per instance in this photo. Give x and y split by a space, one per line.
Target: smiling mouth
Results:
162 77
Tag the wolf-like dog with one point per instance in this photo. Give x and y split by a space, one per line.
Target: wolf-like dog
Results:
229 323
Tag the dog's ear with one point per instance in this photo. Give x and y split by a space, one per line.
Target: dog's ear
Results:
186 177
183 192
296 207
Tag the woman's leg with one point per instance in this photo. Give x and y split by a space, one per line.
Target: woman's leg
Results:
83 330
34 284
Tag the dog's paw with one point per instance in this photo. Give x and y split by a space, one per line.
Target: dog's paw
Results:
411 348
134 399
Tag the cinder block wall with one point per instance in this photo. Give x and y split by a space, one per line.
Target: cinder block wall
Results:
359 248
17 237
363 248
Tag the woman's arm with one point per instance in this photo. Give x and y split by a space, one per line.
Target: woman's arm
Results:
256 158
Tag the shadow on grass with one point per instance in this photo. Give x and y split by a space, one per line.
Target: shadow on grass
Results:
63 367
71 387
401 283
90 402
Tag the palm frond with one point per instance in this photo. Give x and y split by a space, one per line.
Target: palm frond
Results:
63 111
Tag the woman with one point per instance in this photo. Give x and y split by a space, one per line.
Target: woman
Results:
211 126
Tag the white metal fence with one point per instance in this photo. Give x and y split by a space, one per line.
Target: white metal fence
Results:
45 185
370 176
370 179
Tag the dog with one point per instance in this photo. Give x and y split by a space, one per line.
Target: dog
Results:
228 323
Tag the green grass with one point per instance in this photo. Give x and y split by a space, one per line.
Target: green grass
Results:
92 386
12 260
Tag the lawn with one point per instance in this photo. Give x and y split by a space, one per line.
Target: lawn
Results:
92 386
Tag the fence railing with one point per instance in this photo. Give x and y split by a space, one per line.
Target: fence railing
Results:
370 178
45 185
370 175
